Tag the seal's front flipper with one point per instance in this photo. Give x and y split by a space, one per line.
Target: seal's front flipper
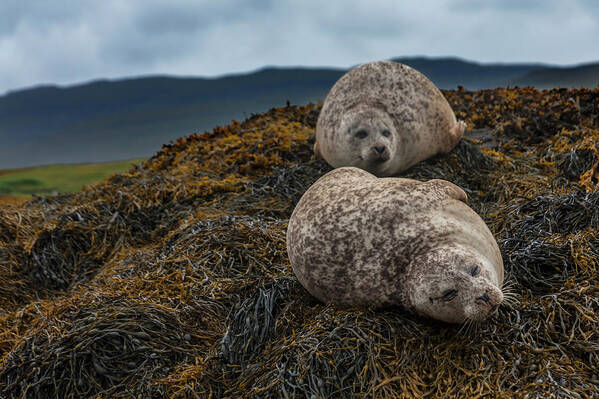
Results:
450 189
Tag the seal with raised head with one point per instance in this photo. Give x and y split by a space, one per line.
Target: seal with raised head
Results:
355 239
384 117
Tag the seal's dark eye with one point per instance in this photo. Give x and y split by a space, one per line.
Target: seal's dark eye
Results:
361 134
475 271
449 295
386 133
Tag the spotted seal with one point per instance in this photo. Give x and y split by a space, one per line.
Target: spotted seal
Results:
384 117
355 239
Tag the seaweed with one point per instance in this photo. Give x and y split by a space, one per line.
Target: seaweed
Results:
251 324
99 347
275 195
555 214
227 247
576 162
172 279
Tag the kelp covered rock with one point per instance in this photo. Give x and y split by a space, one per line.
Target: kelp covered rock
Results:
172 280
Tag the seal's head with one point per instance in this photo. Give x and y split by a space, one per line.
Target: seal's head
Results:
370 140
454 286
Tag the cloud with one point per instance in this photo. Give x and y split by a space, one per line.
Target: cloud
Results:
165 19
69 41
503 6
189 16
38 15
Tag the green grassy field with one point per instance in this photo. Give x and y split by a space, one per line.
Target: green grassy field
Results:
53 179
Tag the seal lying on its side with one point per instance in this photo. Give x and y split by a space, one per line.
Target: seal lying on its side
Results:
355 239
384 117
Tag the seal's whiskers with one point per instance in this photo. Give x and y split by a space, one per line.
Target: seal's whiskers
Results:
510 295
464 328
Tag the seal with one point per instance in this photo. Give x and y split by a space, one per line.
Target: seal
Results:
384 117
358 240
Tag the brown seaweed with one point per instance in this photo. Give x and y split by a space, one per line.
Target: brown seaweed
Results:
172 280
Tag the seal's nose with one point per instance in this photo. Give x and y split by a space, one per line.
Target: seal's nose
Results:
485 298
379 148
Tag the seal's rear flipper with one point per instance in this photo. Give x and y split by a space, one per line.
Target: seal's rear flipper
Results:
457 131
450 189
455 134
317 153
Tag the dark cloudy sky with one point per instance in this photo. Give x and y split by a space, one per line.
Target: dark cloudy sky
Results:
70 41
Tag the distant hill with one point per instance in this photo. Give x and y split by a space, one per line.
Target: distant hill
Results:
448 73
113 120
122 119
573 77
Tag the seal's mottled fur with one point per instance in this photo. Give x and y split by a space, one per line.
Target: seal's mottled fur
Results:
406 119
356 239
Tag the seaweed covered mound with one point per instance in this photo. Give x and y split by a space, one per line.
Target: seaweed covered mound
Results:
172 280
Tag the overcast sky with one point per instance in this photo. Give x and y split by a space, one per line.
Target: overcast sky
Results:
72 41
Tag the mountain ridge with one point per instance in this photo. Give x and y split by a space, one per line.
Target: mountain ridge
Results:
113 119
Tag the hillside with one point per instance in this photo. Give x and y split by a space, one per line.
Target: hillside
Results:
52 179
544 78
114 120
123 119
449 73
172 279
